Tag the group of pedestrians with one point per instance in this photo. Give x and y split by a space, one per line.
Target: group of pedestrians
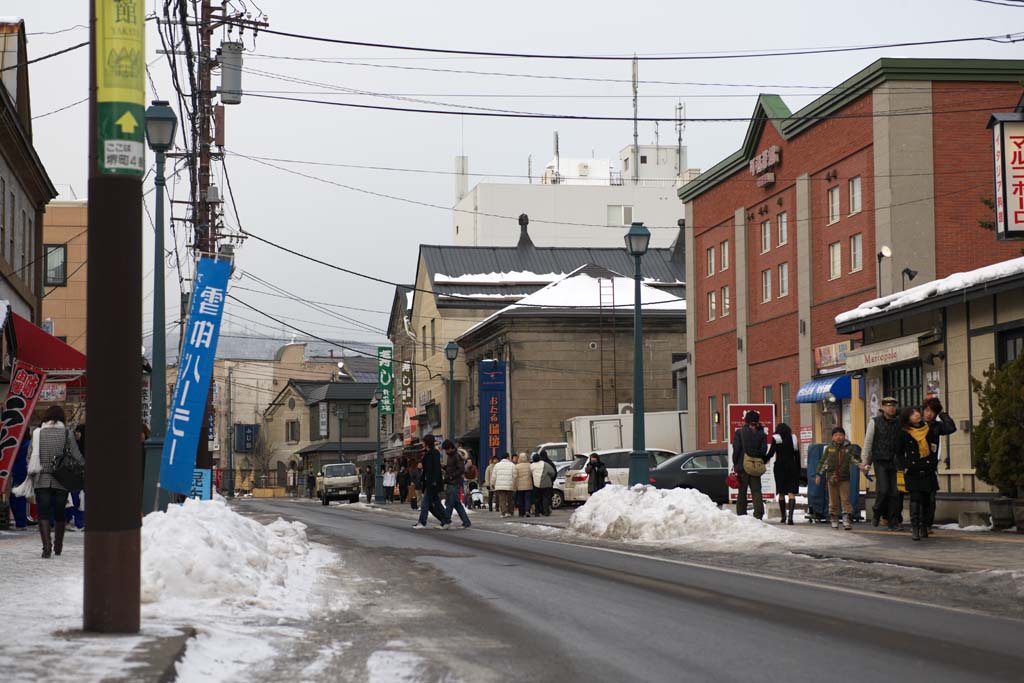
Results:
521 486
448 479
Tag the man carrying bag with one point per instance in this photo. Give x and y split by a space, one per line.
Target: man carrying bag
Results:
749 449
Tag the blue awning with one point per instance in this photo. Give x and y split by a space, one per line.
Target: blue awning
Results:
818 389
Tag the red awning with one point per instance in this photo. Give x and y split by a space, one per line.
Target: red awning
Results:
35 346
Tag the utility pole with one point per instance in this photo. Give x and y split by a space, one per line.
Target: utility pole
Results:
117 100
636 132
231 441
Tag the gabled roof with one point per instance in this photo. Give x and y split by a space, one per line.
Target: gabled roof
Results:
492 276
401 306
341 391
590 290
772 108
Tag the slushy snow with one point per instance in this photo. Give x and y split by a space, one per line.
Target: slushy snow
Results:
644 514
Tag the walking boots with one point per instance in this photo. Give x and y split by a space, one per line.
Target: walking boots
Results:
782 511
792 507
44 533
58 536
915 532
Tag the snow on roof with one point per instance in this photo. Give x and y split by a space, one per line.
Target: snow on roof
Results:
582 290
946 285
521 277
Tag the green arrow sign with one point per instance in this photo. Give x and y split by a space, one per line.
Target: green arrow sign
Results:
120 86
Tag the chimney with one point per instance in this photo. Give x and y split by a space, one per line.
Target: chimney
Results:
524 233
461 177
679 244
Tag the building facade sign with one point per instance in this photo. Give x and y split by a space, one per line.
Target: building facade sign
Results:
832 357
885 353
323 419
406 388
385 381
120 86
1008 146
493 425
762 165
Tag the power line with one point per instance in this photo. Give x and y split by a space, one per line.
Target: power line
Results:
46 56
1002 38
65 107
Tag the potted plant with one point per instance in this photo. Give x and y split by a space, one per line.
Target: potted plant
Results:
999 440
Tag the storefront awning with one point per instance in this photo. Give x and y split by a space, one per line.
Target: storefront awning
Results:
818 389
34 345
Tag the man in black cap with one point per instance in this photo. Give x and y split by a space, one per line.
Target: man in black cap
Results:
749 450
881 442
433 483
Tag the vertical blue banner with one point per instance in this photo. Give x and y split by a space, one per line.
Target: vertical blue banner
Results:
195 371
493 422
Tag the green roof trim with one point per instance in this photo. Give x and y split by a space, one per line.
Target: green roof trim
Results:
772 108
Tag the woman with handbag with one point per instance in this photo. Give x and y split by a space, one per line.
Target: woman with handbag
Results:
54 464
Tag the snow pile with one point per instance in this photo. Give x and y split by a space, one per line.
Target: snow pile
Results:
946 285
645 514
204 550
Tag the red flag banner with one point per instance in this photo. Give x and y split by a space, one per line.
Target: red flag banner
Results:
26 385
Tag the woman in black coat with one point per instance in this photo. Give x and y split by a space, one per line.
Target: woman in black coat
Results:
786 451
597 474
918 457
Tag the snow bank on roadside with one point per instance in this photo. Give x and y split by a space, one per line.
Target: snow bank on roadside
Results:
203 549
644 514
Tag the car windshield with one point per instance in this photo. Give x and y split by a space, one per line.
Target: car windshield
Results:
555 453
579 463
674 461
345 469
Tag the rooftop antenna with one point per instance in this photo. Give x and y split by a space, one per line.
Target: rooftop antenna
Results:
657 137
558 162
636 132
680 127
529 168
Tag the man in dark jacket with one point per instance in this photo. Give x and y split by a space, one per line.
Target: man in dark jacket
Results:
881 443
749 440
597 474
416 479
454 471
369 483
433 482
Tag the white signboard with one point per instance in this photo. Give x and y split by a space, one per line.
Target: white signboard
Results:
323 419
1008 148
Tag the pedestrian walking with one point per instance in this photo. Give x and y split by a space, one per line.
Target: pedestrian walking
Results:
939 425
835 466
403 480
524 484
597 474
433 484
544 474
881 444
505 484
489 480
786 451
454 472
389 483
919 463
416 480
311 484
749 450
49 442
369 483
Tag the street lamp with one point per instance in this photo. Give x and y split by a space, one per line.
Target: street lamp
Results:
637 240
161 125
451 352
883 253
378 492
908 275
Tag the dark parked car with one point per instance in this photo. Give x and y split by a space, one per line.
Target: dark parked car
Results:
702 470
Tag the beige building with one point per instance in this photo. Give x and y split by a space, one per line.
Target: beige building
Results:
457 287
930 341
65 272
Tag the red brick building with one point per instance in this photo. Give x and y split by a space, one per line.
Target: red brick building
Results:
785 233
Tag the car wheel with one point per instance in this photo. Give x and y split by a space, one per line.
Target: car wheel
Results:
556 500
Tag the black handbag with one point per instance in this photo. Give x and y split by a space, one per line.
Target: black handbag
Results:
69 471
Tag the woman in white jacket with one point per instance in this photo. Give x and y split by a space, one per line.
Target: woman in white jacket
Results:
505 484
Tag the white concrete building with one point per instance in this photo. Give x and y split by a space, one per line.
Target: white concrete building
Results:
576 202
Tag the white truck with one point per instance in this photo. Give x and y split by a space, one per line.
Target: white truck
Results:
558 451
590 433
338 481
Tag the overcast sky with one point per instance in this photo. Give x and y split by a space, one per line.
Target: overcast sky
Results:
379 235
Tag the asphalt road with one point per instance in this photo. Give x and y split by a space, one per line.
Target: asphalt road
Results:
484 604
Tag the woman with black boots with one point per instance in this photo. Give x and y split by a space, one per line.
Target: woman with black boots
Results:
786 451
919 463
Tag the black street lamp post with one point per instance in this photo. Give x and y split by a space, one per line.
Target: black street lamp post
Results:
637 240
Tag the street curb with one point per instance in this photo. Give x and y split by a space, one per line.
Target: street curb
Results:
158 660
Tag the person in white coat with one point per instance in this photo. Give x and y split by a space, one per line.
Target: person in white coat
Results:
505 484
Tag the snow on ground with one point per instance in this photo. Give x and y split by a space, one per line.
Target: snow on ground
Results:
393 666
644 514
956 527
245 587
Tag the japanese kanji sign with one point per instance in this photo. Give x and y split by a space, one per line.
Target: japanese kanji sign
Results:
493 425
385 381
26 385
195 370
1008 146
120 86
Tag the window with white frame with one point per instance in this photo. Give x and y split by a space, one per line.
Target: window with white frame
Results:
768 394
783 279
833 205
835 260
711 261
291 429
766 285
725 301
783 228
724 248
854 195
726 435
766 236
620 214
712 304
784 402
712 415
856 252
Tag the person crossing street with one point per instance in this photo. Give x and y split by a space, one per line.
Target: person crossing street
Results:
433 483
454 471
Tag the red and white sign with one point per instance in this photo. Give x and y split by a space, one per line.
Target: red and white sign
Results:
1008 145
736 411
26 384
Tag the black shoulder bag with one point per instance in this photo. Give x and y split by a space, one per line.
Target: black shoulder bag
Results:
69 471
